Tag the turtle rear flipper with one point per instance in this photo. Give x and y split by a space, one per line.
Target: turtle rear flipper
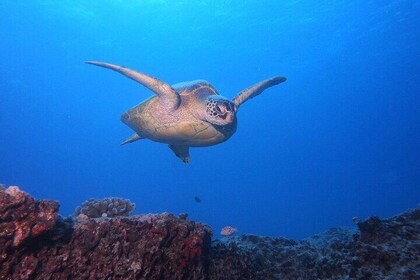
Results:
182 152
131 139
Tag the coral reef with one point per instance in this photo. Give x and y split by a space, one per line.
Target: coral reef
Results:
153 246
23 218
107 207
36 243
381 249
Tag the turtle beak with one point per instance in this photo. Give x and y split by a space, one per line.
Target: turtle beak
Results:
230 116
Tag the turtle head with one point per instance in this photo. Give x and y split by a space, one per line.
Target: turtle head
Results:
220 110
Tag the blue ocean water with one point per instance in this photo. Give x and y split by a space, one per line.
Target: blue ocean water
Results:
339 139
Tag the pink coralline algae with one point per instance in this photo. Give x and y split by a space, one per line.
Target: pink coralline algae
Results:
191 250
228 230
22 217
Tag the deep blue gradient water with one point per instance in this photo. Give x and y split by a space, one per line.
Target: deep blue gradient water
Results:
339 139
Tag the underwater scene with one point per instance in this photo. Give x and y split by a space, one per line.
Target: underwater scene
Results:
157 139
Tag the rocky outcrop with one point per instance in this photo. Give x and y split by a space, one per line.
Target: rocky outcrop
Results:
22 218
36 243
381 249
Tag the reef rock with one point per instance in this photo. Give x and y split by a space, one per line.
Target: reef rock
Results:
381 249
22 218
36 243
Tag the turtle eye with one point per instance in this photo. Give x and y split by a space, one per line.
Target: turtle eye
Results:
228 106
217 108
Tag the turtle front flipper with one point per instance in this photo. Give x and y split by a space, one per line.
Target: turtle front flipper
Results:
164 91
255 90
182 152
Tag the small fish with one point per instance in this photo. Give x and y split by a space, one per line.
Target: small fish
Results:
197 199
228 230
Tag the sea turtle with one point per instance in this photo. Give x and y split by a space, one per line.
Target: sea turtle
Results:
184 115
